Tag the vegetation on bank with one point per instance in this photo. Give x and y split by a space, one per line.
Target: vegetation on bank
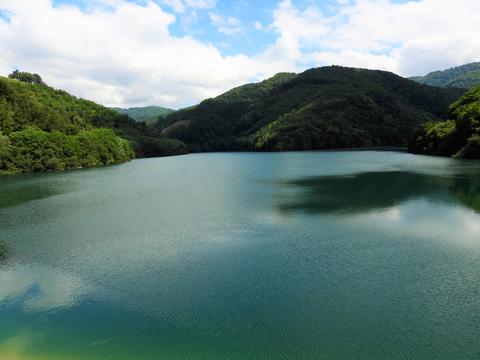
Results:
33 149
43 129
323 108
464 77
459 136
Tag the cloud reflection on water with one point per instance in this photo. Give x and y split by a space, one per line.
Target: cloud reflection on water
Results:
37 288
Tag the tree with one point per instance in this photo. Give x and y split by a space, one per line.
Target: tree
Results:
4 151
26 77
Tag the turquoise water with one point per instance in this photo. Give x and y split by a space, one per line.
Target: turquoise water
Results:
309 255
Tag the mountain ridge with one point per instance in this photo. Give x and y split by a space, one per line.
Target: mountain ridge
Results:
465 77
321 108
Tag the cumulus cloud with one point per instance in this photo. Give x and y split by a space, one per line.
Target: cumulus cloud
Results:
408 38
123 53
120 56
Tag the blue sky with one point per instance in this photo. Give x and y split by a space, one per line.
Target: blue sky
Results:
197 22
178 52
250 41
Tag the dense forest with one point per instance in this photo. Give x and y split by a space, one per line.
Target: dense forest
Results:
42 129
147 114
323 108
464 77
459 136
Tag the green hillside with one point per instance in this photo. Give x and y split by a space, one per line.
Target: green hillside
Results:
323 108
46 129
459 136
146 114
464 77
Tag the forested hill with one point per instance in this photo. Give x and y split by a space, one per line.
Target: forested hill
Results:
465 77
323 108
459 136
147 114
46 129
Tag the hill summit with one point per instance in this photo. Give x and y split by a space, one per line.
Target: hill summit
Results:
322 108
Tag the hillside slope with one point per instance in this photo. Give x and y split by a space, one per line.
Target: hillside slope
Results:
459 136
46 129
465 77
145 114
323 108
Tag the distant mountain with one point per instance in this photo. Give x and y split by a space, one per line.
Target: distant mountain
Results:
323 108
43 129
459 136
464 77
145 114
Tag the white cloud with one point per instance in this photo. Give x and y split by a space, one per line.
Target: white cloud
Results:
123 56
307 26
123 53
409 38
176 5
226 24
180 6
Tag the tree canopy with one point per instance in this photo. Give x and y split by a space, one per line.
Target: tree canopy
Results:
42 128
459 136
26 77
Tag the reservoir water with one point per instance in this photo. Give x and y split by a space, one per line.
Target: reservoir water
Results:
307 255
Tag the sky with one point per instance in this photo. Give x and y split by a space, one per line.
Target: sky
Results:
175 53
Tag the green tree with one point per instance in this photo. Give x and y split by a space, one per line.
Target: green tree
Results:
4 151
26 77
459 136
45 129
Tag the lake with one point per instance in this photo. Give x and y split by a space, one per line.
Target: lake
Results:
302 255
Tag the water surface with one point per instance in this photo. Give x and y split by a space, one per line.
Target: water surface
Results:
309 255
